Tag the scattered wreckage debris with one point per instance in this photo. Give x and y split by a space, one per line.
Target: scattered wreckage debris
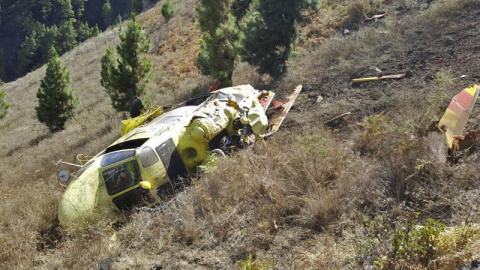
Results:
337 120
158 150
381 78
376 17
455 119
319 99
215 86
282 110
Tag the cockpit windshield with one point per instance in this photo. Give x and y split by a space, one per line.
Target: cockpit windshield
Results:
115 157
122 177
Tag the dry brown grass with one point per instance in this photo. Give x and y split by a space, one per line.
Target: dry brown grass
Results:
29 192
253 201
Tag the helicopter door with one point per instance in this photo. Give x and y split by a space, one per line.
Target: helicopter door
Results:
172 161
118 180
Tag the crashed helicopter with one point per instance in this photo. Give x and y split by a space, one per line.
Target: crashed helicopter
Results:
158 150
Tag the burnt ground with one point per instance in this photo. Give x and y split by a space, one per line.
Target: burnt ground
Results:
448 44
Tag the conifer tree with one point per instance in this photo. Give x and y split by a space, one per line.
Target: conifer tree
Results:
3 105
79 8
86 32
27 54
167 11
56 11
34 50
218 53
268 32
124 78
55 100
67 36
107 13
118 20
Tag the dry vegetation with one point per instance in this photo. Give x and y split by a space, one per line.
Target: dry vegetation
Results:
312 197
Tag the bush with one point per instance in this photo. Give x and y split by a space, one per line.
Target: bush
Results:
416 244
167 11
3 105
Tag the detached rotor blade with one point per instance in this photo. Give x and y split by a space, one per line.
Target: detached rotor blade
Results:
379 78
278 117
457 114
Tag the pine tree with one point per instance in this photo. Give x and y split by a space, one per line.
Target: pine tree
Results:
268 32
79 8
34 50
67 36
3 105
55 100
124 78
218 53
55 11
118 20
27 53
107 14
85 32
167 11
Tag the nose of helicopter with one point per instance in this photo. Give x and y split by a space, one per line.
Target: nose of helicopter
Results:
78 203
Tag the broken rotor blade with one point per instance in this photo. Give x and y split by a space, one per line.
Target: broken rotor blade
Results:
456 116
266 99
278 117
379 78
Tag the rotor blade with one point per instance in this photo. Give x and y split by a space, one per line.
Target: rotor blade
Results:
379 78
278 117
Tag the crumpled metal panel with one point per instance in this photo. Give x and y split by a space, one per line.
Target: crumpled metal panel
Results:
457 114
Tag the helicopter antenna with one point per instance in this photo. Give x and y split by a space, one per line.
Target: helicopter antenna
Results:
68 163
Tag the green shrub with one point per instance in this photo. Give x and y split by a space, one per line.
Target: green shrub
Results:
250 264
414 243
3 105
167 11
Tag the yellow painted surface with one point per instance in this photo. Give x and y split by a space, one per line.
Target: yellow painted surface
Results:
455 123
366 79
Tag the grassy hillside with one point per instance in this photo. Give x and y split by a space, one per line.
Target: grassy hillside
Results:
312 197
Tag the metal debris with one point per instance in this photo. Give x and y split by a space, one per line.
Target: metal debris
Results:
337 119
455 119
379 78
319 99
376 17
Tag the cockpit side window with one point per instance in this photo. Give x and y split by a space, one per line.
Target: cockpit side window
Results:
148 157
122 177
115 157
